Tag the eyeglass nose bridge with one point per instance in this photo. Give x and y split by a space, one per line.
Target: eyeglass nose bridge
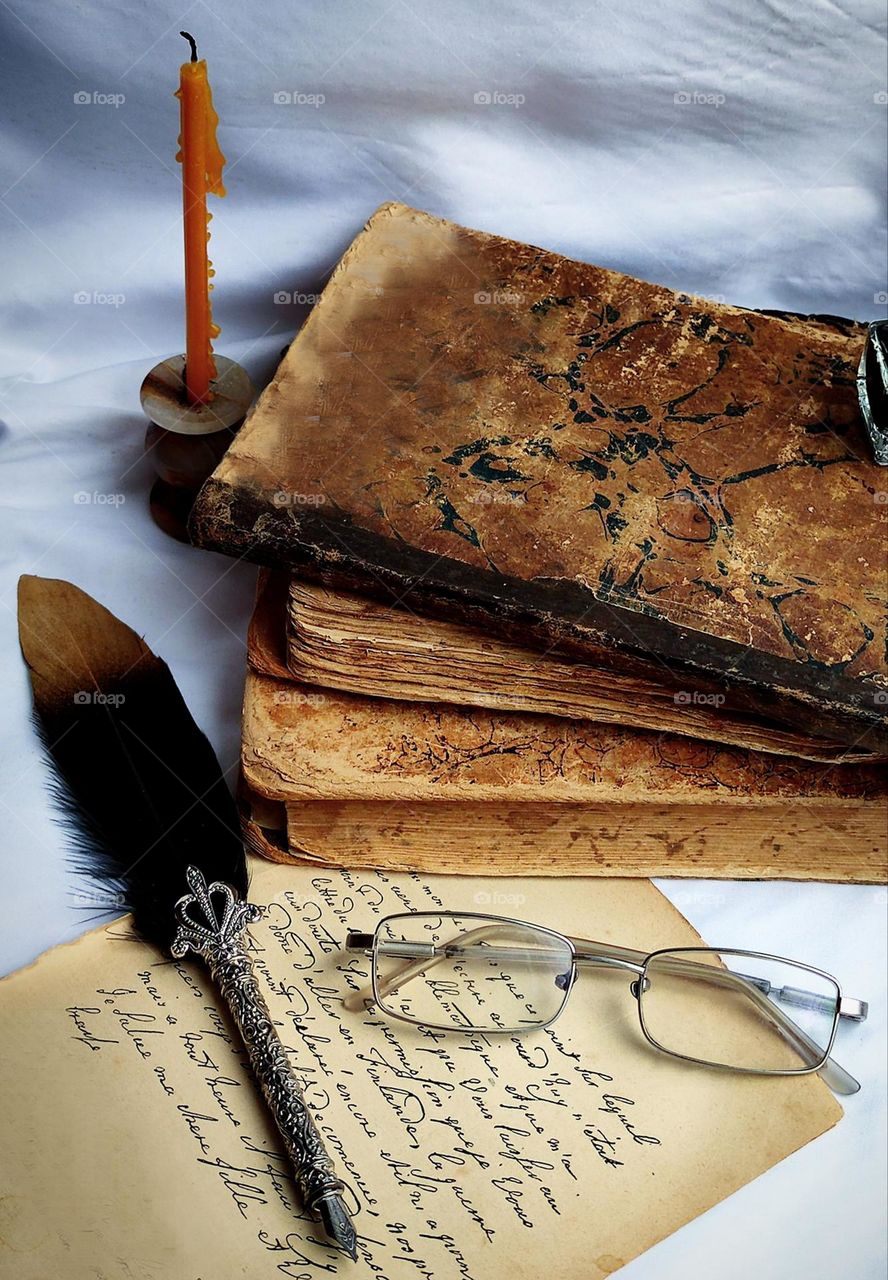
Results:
594 958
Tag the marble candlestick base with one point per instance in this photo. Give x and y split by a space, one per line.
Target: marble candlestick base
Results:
185 441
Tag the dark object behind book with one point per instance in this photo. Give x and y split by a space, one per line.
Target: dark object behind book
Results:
665 486
872 389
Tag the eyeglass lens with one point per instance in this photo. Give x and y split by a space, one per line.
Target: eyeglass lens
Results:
471 972
735 1010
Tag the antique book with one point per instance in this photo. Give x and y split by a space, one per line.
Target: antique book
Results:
133 1141
341 640
658 484
341 779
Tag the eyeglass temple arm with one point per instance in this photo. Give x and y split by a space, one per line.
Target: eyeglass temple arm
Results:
835 1075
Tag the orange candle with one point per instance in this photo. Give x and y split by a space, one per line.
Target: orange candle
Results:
202 163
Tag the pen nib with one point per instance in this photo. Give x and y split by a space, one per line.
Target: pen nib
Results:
338 1225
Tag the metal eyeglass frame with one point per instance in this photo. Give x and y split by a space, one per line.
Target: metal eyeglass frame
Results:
583 952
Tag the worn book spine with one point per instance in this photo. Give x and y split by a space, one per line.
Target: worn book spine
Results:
555 617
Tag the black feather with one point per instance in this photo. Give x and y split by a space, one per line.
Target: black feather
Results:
139 783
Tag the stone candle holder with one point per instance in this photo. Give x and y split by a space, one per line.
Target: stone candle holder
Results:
185 441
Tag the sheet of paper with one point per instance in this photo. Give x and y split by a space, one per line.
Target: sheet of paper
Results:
134 1144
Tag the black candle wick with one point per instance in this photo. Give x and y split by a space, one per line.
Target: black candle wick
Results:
191 41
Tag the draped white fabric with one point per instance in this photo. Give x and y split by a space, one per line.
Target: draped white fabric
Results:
735 150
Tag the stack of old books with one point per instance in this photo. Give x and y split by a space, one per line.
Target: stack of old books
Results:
570 573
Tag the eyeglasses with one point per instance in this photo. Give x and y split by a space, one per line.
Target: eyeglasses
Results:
476 973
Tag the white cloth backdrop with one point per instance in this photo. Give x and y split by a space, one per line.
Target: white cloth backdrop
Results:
735 150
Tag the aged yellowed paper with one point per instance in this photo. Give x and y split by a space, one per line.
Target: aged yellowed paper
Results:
134 1144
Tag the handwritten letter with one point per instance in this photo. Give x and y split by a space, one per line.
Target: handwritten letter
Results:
138 1144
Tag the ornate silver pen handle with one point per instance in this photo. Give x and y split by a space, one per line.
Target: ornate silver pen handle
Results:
218 939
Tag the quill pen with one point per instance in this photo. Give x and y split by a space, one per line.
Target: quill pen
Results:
152 818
